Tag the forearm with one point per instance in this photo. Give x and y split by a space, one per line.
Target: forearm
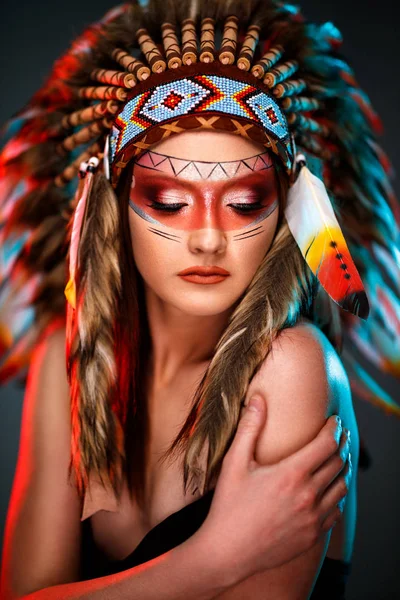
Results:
190 570
293 580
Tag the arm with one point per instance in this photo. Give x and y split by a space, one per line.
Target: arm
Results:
184 572
42 533
41 555
302 383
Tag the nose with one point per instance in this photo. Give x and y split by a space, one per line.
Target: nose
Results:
208 240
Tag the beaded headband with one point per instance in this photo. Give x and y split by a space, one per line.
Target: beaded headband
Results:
226 103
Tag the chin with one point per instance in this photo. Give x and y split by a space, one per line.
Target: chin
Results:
205 304
206 311
197 300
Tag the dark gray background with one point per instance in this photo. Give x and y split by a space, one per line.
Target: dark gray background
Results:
33 34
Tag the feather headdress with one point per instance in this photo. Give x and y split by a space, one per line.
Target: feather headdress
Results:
132 79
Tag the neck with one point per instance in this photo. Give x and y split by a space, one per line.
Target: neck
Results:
180 342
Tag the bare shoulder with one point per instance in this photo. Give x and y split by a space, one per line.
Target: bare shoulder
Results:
303 382
309 353
50 352
47 394
47 390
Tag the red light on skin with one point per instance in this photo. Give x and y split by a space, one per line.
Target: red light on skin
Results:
205 204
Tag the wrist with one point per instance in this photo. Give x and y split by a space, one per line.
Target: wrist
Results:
215 560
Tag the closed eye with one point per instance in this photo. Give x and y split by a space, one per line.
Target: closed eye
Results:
247 207
174 207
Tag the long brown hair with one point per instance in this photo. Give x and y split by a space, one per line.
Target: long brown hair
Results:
282 290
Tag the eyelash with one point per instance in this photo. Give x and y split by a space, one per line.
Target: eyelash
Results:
244 208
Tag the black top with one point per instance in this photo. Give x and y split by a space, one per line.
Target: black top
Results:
176 529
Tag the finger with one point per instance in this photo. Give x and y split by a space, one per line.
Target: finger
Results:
337 491
325 475
242 449
309 458
334 516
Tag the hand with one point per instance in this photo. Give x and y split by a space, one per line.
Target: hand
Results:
264 516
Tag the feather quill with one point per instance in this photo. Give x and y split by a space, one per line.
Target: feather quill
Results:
313 224
70 289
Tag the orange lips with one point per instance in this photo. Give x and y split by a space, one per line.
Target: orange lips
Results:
204 275
204 279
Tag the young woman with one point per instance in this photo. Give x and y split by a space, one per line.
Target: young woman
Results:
201 174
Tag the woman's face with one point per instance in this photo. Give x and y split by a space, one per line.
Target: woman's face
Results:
202 199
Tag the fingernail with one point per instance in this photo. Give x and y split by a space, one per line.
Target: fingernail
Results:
338 430
348 470
347 432
254 404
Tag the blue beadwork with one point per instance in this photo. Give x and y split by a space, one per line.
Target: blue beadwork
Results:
157 107
195 95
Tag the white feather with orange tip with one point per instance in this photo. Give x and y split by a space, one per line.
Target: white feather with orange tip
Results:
70 289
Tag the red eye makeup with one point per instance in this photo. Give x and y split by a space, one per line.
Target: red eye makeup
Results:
187 206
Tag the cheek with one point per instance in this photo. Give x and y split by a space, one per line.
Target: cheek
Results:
152 253
143 252
249 251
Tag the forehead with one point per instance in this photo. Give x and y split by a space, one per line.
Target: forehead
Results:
208 146
202 170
